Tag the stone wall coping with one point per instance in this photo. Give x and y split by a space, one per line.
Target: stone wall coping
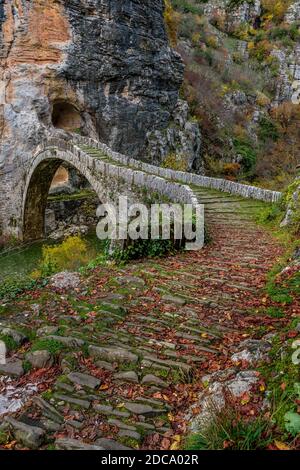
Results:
174 190
232 187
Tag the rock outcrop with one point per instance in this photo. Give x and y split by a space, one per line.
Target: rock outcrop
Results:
235 17
292 202
231 15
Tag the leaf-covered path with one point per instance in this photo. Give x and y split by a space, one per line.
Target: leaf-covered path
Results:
131 345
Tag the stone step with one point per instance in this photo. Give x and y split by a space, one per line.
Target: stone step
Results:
167 363
231 285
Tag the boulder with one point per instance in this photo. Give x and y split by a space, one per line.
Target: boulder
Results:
84 380
12 368
65 280
40 359
30 436
74 444
112 355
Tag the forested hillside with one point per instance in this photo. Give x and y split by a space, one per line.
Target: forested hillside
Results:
242 84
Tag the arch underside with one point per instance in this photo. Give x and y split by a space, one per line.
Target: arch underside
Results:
36 199
37 189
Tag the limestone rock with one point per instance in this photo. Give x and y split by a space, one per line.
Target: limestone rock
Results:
129 376
104 69
183 139
111 354
74 444
105 365
48 410
18 337
65 280
234 16
30 436
173 299
40 359
154 380
142 409
84 380
68 341
251 351
131 434
293 204
110 444
12 368
293 12
213 398
47 330
73 401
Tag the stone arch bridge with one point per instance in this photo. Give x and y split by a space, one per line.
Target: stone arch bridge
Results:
23 197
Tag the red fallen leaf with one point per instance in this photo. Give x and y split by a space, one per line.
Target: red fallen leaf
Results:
272 447
227 444
155 438
196 410
283 386
292 334
165 444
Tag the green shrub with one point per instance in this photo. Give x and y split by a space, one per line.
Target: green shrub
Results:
144 249
275 312
245 148
71 254
267 129
10 343
10 288
175 161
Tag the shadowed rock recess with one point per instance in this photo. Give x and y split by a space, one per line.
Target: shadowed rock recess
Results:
101 68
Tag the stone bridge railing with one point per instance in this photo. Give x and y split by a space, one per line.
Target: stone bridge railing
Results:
174 191
244 190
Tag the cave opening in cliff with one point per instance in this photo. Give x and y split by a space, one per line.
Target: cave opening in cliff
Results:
60 202
65 116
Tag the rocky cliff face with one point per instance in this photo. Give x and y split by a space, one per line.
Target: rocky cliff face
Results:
101 67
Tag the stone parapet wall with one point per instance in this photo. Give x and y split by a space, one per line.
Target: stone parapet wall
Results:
140 177
247 191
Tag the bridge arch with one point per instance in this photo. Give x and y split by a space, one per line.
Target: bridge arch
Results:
38 182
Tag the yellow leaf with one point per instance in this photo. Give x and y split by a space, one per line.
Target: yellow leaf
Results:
10 445
104 387
175 446
171 417
176 443
245 402
281 445
262 388
120 405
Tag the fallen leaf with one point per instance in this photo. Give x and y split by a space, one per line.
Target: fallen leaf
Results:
10 445
281 445
104 387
